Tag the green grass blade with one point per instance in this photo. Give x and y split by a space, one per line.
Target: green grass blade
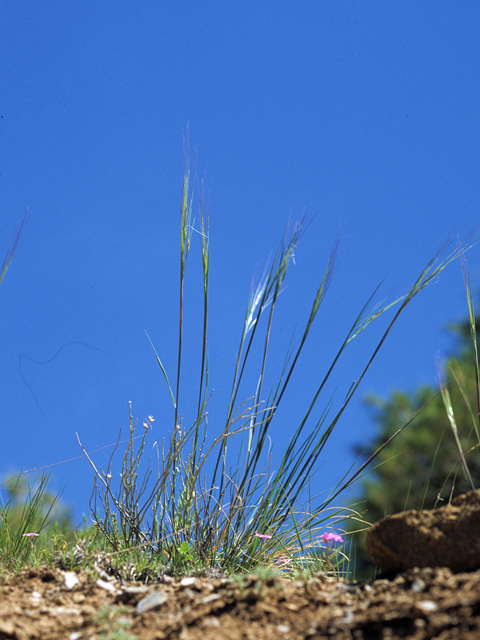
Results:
163 371
12 247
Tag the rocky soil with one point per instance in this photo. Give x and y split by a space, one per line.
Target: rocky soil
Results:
418 603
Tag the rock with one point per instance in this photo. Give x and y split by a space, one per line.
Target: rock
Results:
70 580
444 537
152 602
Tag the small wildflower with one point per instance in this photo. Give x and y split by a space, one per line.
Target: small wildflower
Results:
263 536
331 537
331 558
30 535
150 420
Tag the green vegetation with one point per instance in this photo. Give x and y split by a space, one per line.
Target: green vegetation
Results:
214 504
115 627
23 516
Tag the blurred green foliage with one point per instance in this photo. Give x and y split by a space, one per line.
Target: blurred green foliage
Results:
17 492
422 466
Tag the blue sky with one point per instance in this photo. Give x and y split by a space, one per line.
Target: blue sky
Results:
363 113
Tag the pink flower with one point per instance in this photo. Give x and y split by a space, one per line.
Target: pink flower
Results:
262 536
331 537
30 535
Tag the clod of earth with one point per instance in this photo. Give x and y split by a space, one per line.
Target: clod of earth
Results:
444 537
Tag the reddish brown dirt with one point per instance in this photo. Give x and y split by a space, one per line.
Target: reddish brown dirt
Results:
419 603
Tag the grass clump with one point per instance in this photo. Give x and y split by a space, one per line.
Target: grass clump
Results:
217 504
22 522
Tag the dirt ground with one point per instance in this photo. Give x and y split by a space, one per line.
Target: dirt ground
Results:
420 603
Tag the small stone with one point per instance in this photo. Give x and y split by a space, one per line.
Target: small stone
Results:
210 622
418 585
211 598
427 606
444 537
134 590
151 602
108 586
188 582
283 628
70 580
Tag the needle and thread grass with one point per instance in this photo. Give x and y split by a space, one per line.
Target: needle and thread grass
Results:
201 519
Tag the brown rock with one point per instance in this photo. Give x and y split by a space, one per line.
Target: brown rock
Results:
444 537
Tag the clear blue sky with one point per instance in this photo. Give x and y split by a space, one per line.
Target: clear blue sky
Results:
365 112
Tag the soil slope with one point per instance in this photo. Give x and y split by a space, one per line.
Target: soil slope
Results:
419 603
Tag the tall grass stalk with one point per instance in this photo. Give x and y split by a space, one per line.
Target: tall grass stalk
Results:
12 247
456 376
209 516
